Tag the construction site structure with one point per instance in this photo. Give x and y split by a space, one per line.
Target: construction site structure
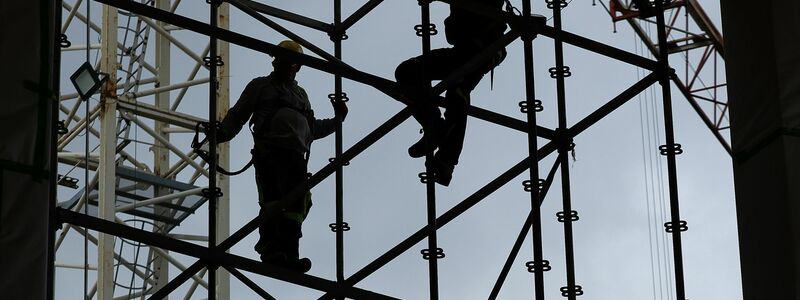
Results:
134 202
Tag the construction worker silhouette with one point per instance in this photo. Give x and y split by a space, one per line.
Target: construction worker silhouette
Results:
469 33
283 127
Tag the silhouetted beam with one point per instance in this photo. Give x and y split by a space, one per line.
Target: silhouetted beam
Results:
600 48
501 180
612 105
208 257
249 283
567 37
523 233
288 16
358 14
387 86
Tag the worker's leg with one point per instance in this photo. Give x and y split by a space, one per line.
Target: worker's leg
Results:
278 172
414 76
457 101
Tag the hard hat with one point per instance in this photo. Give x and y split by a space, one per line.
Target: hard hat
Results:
291 45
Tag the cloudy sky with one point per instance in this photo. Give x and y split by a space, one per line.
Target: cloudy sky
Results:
618 182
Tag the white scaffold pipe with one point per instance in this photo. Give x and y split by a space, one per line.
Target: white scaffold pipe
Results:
156 200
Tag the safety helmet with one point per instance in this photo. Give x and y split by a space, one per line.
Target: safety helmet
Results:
291 45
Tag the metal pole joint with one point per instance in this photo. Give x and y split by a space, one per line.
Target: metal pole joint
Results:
528 26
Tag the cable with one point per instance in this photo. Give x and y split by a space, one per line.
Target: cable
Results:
644 165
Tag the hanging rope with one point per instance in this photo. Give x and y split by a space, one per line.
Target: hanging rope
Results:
197 145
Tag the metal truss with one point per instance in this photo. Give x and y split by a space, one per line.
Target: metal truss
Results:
699 44
137 99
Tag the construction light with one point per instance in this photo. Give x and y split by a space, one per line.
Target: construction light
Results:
86 80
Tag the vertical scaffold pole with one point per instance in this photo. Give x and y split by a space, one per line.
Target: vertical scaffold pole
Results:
338 95
213 191
433 252
108 145
223 206
538 265
675 226
567 215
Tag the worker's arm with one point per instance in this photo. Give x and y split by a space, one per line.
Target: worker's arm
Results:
238 115
325 127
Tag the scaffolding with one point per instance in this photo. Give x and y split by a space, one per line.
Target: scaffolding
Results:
169 200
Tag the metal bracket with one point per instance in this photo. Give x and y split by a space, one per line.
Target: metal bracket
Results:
338 97
666 149
670 227
336 227
537 106
528 27
70 182
63 41
542 266
208 193
423 177
551 4
421 30
562 72
562 216
438 254
61 128
575 290
333 159
336 34
215 60
526 185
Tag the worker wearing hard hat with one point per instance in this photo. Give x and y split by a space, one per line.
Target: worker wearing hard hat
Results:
283 127
469 33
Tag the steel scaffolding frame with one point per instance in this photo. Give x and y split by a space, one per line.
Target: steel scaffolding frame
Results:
214 256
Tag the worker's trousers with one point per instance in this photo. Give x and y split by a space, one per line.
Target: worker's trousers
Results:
278 172
414 76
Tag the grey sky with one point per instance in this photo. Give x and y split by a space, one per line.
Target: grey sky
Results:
384 201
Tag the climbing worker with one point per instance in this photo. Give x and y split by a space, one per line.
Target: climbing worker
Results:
283 127
469 34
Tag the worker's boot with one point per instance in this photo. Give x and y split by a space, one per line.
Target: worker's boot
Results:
443 171
287 245
435 133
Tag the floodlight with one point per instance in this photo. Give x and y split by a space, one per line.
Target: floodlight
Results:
86 80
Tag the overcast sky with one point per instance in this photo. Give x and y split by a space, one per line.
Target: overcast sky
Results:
618 182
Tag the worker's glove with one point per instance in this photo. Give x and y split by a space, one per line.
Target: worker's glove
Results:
340 109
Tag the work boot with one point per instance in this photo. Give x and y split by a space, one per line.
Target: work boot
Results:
442 170
282 260
435 134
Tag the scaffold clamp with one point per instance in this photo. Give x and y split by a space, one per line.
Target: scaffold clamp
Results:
526 185
576 290
423 177
61 128
63 41
562 216
561 72
666 149
551 4
333 159
537 106
208 193
670 226
541 266
337 34
208 61
438 253
333 97
420 29
336 227
528 27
